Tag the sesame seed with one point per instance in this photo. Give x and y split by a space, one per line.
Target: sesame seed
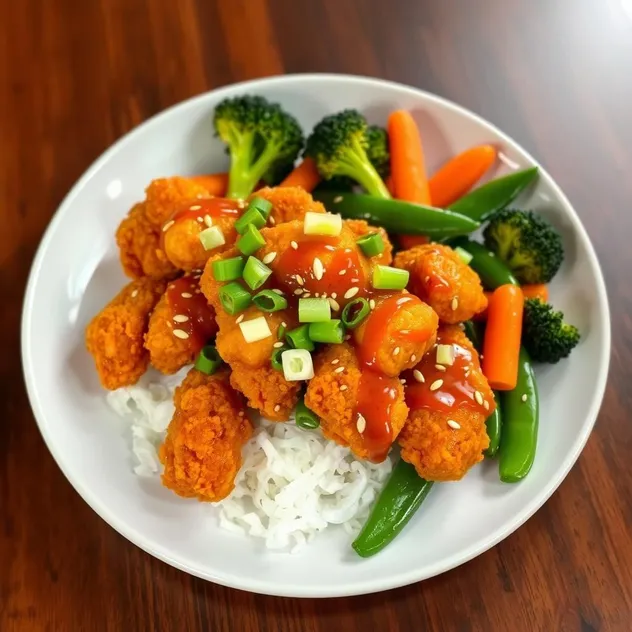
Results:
467 373
478 396
241 413
348 337
277 291
343 387
196 207
277 345
413 358
361 423
340 369
200 219
306 295
283 324
179 333
298 291
198 291
317 295
351 292
334 295
403 381
171 286
299 279
396 351
186 295
180 318
324 294
294 245
436 384
439 367
524 397
455 303
426 279
480 357
372 303
338 199
272 220
342 272
208 220
277 408
454 424
486 405
167 226
239 318
270 257
318 268
355 280
404 332
418 375
134 293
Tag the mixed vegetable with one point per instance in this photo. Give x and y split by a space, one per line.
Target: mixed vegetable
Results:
520 255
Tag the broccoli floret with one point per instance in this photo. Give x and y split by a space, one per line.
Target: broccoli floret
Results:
339 144
545 335
377 151
527 243
263 141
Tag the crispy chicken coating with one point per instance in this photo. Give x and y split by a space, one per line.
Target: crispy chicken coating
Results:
440 277
201 453
333 394
114 337
289 203
445 433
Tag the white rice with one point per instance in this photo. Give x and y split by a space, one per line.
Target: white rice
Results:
292 484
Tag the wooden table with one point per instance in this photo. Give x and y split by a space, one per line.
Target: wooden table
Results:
554 74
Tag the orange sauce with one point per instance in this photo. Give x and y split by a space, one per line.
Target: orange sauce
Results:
213 207
185 301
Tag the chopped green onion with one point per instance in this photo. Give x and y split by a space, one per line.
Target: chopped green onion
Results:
299 338
275 358
234 298
212 237
313 310
208 360
269 301
465 256
250 241
255 329
297 365
228 269
251 216
281 331
329 332
256 273
355 312
305 418
262 205
322 224
371 244
387 278
445 355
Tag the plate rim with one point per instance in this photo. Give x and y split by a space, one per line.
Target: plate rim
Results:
278 588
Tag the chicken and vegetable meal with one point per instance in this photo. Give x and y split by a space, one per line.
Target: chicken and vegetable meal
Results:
341 299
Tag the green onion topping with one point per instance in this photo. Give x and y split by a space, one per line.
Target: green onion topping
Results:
305 418
208 360
228 269
234 298
355 312
256 273
251 216
388 278
297 365
299 338
329 332
250 241
262 205
269 301
212 238
313 310
371 244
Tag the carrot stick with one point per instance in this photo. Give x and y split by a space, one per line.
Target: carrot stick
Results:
407 158
501 347
457 176
537 290
305 176
215 183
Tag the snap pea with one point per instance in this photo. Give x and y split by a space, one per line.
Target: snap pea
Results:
397 216
494 196
494 422
492 271
520 430
400 498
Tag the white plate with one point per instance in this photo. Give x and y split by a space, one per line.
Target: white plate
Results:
76 272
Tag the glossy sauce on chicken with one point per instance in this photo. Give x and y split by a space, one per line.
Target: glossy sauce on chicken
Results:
192 315
213 207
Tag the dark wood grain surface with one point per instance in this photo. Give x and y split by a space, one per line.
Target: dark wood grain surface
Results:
76 75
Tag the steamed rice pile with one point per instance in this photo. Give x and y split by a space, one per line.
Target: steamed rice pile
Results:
292 484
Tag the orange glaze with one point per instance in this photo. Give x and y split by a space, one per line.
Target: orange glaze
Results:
214 207
456 390
377 392
300 261
184 298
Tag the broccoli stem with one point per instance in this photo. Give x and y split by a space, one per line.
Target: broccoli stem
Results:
355 164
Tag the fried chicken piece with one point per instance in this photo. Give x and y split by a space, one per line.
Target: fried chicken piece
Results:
445 433
397 332
139 234
440 277
179 327
289 203
337 397
114 337
202 450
